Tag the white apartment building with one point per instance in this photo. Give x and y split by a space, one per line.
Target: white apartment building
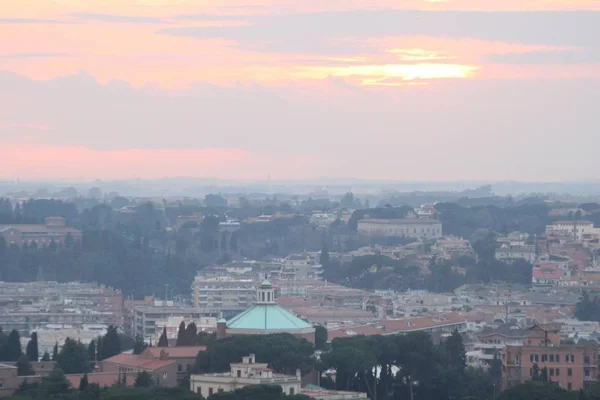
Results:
575 229
243 374
223 294
410 227
510 254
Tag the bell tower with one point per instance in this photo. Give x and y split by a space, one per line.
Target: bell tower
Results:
265 293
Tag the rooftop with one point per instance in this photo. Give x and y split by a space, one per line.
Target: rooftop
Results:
135 361
267 317
411 221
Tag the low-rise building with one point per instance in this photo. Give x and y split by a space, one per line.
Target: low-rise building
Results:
510 254
572 367
243 374
184 357
163 369
54 229
419 228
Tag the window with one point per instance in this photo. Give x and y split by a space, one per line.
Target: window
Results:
164 375
586 372
586 359
534 358
210 391
557 371
570 386
544 357
291 391
551 358
239 373
188 367
551 371
569 371
558 358
179 368
570 358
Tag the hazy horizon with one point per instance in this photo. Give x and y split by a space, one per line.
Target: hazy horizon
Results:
436 91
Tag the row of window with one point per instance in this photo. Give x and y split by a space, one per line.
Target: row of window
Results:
554 371
569 358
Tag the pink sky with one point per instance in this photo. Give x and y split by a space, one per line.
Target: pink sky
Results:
153 88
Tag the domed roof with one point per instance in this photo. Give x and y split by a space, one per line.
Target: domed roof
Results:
265 317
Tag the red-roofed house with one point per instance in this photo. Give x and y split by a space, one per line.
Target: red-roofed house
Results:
184 357
163 370
546 276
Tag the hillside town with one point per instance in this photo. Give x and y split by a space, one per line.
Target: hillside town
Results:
530 317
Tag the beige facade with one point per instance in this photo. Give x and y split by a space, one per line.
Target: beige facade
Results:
409 227
243 374
9 381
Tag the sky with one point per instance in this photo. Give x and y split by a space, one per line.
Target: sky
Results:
410 90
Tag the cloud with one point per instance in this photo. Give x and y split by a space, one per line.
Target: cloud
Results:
582 56
462 129
312 32
115 18
33 21
20 56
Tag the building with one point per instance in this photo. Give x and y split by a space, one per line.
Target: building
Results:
570 366
171 325
265 317
572 229
163 369
301 267
9 381
435 325
42 305
146 318
409 227
55 229
510 254
184 357
223 294
243 374
319 393
451 247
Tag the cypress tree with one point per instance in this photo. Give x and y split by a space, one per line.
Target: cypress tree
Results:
55 352
111 344
92 350
191 333
13 346
163 341
32 351
46 356
181 338
84 383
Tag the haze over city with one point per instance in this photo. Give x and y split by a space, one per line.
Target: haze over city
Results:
412 90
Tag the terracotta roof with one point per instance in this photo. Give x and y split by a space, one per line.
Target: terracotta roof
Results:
135 361
422 323
546 273
102 379
176 352
392 326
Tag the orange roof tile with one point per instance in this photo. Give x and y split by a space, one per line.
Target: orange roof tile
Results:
176 352
136 361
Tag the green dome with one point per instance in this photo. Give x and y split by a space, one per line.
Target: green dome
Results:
267 317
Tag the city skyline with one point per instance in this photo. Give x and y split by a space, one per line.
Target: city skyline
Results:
425 90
